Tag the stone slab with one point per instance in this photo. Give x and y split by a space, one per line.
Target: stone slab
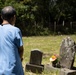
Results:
61 71
50 68
34 68
65 71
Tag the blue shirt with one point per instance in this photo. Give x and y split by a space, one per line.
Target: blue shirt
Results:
10 41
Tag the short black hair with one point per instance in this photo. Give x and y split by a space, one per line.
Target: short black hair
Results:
8 12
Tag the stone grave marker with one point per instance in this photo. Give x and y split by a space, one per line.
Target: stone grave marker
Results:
34 64
65 65
36 57
67 53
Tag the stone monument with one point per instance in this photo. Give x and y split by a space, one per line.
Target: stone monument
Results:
66 58
67 53
34 64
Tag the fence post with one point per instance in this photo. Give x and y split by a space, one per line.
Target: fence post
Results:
63 23
71 26
54 26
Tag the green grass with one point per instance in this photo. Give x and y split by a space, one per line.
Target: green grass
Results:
49 45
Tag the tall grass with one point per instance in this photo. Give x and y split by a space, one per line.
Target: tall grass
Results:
49 45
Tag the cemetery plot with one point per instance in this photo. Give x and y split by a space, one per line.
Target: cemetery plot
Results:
35 62
66 58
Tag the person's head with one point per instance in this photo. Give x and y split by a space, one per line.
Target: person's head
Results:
8 13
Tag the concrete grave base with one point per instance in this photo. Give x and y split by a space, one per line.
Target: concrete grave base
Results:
62 71
34 68
65 71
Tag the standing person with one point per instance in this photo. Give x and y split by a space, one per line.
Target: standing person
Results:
11 45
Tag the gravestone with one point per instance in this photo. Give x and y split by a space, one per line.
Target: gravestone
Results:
34 64
67 53
66 58
36 57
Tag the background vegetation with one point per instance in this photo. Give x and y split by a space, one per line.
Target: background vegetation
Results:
44 17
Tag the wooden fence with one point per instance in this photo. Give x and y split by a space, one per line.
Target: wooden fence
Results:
69 27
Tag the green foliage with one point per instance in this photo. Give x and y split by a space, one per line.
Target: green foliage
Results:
36 17
1 4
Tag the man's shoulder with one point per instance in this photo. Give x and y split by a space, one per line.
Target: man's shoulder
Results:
15 28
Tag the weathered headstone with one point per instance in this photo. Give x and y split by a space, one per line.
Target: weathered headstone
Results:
66 58
67 53
34 64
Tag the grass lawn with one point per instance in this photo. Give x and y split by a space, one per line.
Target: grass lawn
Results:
49 45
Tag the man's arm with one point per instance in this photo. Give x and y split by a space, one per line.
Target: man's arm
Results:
21 50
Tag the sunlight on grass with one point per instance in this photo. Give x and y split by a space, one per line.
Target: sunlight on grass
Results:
49 45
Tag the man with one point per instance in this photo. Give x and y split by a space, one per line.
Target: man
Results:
11 45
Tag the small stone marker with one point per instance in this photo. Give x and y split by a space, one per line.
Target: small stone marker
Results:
35 62
36 57
67 53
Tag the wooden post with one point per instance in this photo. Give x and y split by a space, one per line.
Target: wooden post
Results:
71 26
63 23
54 26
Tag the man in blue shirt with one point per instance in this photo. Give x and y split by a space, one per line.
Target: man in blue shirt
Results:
11 45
